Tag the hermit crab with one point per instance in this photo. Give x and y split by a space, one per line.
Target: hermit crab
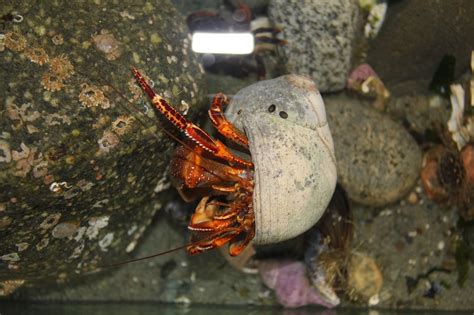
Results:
277 179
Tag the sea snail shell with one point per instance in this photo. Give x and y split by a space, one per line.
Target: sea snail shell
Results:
293 152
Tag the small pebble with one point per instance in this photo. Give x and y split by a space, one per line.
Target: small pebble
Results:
413 198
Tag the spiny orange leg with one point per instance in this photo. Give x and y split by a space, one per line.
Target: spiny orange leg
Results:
217 240
193 132
236 248
206 218
194 175
222 125
234 226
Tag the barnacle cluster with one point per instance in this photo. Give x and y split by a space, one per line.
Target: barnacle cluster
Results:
60 70
15 41
37 55
122 124
57 39
61 66
92 96
52 82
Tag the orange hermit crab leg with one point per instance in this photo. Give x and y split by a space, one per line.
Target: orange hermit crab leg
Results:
193 132
218 239
224 127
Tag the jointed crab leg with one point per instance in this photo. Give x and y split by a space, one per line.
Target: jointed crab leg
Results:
218 239
193 132
219 120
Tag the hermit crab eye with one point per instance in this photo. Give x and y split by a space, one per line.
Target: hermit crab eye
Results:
283 115
271 108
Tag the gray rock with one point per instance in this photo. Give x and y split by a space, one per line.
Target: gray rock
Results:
321 37
81 165
415 37
377 160
189 6
172 278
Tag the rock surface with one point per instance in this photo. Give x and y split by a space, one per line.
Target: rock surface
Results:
405 239
378 162
415 37
321 36
81 165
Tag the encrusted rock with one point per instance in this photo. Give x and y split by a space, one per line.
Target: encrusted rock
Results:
321 36
78 162
378 162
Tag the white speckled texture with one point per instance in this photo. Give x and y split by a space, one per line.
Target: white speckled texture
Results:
321 37
295 171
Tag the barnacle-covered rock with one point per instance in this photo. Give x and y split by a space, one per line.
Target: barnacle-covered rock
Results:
79 160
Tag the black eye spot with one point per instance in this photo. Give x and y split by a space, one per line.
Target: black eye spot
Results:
271 108
239 112
283 115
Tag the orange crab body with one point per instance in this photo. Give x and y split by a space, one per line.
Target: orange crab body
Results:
205 167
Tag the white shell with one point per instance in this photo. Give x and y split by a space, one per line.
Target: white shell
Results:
295 166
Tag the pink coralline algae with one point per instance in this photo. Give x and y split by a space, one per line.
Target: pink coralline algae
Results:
365 81
359 75
291 285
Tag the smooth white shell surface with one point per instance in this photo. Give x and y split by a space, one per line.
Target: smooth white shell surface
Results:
293 153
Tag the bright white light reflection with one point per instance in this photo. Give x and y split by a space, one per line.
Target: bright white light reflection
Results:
223 43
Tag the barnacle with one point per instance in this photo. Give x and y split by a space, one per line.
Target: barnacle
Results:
52 82
42 244
57 39
61 66
50 221
92 96
122 124
37 55
108 141
15 41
